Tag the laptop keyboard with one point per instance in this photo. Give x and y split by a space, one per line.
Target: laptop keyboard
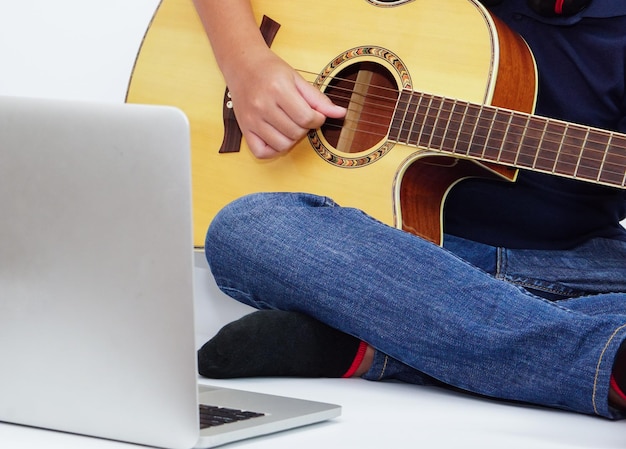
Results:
211 416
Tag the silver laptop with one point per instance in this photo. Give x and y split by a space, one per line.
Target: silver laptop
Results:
96 288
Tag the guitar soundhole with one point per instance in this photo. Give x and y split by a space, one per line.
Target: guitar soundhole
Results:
369 92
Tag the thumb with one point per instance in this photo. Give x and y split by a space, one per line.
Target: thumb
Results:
318 101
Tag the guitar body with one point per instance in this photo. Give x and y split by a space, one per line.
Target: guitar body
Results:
452 48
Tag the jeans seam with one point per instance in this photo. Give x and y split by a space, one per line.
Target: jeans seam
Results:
383 369
500 263
501 273
597 374
542 288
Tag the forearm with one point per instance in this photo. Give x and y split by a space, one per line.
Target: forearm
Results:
274 105
232 31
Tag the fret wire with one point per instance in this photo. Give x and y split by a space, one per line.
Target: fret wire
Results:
442 109
496 135
398 129
403 133
588 144
540 144
580 163
481 109
561 158
374 95
392 126
406 110
407 100
472 133
608 145
489 131
507 137
436 139
461 121
613 169
555 120
417 105
610 140
448 107
560 146
620 156
531 140
504 138
426 115
430 141
550 148
620 159
449 121
580 154
513 140
521 142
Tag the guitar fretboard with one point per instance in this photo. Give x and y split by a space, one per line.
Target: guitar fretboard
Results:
510 138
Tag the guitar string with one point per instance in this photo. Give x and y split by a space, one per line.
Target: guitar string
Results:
576 166
579 166
392 108
583 163
395 92
495 110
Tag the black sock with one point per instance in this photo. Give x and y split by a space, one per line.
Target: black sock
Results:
278 343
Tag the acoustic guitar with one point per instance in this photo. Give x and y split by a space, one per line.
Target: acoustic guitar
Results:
436 91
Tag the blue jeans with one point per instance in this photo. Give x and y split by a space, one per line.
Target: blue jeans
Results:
470 316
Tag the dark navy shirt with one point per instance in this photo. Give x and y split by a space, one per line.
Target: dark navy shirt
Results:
581 62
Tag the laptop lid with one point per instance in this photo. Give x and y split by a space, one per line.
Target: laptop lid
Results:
96 280
95 249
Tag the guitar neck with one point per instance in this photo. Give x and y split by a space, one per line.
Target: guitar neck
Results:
510 138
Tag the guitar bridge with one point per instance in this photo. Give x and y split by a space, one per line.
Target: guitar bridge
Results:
232 133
